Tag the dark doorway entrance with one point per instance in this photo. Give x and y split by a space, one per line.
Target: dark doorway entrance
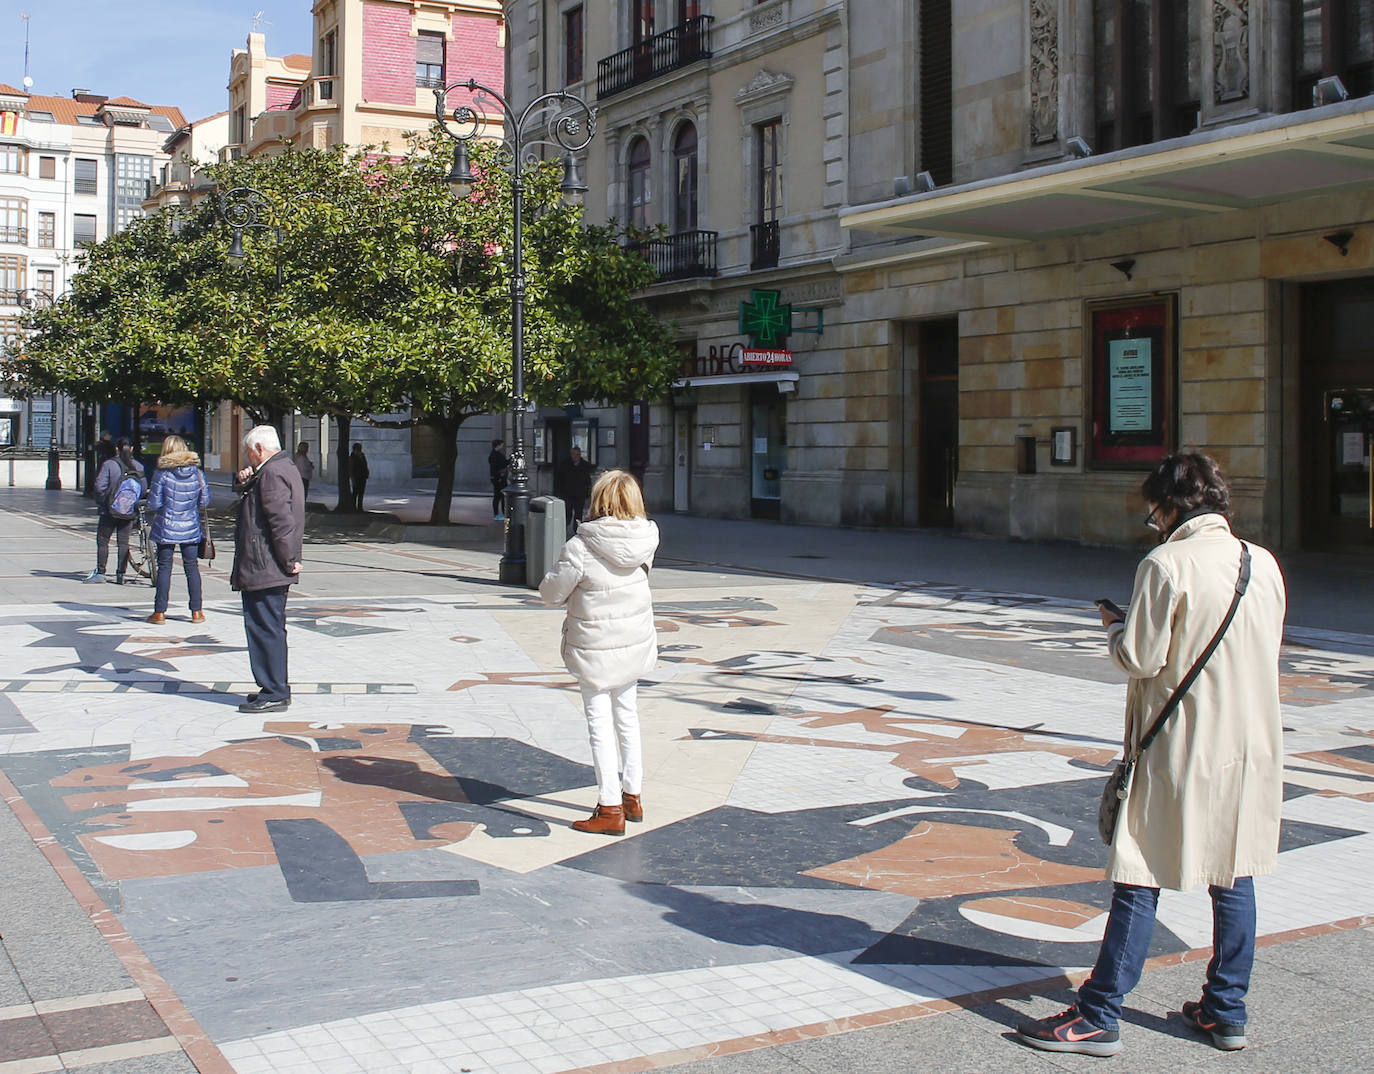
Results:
937 432
767 449
1337 364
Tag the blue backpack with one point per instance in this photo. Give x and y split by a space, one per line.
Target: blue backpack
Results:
124 499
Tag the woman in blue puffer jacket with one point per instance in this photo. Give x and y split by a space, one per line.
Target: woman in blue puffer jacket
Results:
178 495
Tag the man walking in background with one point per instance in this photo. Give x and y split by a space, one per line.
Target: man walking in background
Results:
572 484
267 561
499 465
357 475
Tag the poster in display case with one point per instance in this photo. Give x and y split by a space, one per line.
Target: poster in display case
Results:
1132 371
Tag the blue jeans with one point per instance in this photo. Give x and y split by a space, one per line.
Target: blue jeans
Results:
189 562
1126 944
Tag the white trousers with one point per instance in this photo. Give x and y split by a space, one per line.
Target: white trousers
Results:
613 727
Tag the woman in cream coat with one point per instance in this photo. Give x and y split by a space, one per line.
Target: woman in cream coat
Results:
608 637
1205 801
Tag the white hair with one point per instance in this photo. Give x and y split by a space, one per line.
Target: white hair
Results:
262 438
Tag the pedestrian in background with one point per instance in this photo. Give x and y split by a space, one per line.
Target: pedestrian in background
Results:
304 467
357 475
1204 803
499 465
267 561
113 520
104 448
572 484
179 496
608 638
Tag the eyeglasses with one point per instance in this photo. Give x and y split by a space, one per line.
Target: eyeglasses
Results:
1152 519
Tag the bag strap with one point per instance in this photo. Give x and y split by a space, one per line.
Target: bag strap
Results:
1242 582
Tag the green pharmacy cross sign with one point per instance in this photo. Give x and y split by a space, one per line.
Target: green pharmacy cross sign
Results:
767 319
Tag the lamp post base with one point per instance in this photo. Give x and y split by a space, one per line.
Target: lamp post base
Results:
54 471
512 570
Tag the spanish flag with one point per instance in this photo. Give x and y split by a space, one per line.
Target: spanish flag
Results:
9 124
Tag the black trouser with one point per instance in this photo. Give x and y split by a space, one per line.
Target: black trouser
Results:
121 528
264 622
359 487
498 495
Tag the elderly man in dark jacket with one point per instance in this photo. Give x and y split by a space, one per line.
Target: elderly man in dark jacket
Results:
267 561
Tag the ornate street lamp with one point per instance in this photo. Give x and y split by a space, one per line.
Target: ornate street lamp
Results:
30 300
566 123
244 208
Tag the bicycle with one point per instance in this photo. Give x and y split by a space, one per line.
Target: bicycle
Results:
142 550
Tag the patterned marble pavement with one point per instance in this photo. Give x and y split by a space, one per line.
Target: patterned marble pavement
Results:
862 803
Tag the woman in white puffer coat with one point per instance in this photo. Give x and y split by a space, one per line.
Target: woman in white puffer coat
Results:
608 637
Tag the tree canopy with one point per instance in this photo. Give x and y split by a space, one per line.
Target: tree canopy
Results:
366 289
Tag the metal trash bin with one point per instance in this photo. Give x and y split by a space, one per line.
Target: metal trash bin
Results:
545 534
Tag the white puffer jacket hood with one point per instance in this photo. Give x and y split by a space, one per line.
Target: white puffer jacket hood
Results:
603 578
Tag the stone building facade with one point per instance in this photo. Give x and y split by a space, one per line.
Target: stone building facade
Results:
1043 241
73 170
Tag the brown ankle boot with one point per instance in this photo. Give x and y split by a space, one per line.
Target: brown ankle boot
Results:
197 617
157 619
605 820
634 809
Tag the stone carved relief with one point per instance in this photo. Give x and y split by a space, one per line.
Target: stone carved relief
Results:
764 84
766 18
1230 50
1044 71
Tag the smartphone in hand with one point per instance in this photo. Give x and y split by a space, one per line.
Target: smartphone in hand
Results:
1111 606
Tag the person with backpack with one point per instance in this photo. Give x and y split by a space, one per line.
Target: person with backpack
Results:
179 495
119 487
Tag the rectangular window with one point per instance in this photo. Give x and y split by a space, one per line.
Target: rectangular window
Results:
238 129
572 46
47 231
937 90
328 59
47 167
86 174
768 140
14 220
429 60
83 229
10 338
46 279
12 268
14 160
132 174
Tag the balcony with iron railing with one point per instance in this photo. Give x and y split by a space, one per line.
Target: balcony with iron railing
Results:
18 235
687 255
764 245
684 44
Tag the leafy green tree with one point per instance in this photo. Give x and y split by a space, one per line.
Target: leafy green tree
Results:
369 291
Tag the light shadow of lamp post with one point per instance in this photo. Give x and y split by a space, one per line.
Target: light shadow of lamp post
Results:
566 123
31 300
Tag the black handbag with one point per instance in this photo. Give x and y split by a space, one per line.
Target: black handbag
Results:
1118 785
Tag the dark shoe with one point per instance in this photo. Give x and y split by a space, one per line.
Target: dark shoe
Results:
197 617
1226 1036
157 619
605 820
634 809
1069 1031
261 704
118 579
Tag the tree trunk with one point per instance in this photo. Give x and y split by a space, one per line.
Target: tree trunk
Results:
447 428
343 423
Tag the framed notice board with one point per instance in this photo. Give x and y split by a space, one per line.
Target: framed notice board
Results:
1132 381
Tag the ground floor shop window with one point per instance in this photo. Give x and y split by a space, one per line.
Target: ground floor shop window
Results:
1132 370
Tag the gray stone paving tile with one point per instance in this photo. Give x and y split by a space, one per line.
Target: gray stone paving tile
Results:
171 1063
52 944
11 987
1326 958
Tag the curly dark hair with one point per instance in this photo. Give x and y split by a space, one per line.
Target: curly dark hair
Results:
1187 482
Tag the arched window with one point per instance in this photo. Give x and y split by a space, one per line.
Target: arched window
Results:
685 179
637 186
